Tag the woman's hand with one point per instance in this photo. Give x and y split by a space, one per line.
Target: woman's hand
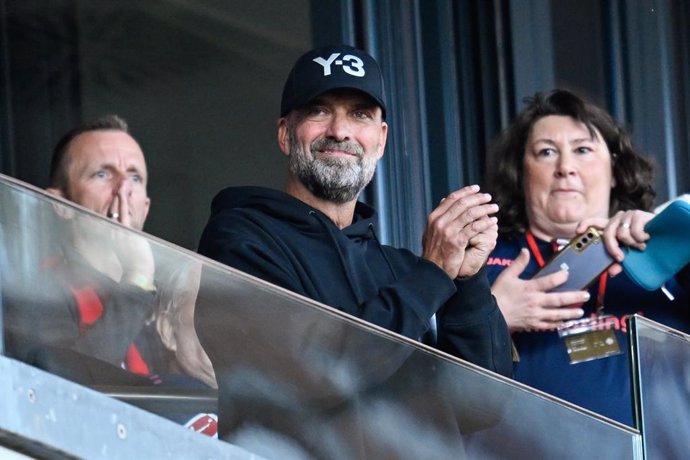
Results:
525 304
626 227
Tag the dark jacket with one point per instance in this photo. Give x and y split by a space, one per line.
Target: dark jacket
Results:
276 237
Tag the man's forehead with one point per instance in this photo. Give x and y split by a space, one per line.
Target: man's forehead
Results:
106 146
104 150
105 137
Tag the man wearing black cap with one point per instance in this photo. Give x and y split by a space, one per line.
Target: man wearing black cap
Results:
316 239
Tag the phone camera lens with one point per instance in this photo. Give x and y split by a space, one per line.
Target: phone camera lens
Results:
578 245
591 235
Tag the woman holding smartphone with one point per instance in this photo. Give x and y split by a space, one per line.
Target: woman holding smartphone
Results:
563 165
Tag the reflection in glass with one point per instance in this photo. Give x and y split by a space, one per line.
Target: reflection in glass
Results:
661 375
296 379
73 306
175 324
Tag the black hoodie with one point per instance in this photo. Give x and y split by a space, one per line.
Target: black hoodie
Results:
280 239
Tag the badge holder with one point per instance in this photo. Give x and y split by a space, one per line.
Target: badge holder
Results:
590 338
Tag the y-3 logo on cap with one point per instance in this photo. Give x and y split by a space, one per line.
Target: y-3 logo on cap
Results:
349 63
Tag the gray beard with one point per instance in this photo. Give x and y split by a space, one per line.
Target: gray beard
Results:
332 179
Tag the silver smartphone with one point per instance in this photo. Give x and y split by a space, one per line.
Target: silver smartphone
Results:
584 258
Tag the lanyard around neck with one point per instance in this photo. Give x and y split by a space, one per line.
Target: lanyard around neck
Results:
603 278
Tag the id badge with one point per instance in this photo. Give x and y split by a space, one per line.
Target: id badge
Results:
590 338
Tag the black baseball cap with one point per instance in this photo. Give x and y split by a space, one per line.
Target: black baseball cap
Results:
332 67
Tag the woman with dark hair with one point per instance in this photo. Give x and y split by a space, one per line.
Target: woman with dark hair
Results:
563 165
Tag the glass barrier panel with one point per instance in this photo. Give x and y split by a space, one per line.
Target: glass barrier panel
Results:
289 377
661 379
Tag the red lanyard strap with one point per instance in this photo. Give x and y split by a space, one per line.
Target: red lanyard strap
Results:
534 248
